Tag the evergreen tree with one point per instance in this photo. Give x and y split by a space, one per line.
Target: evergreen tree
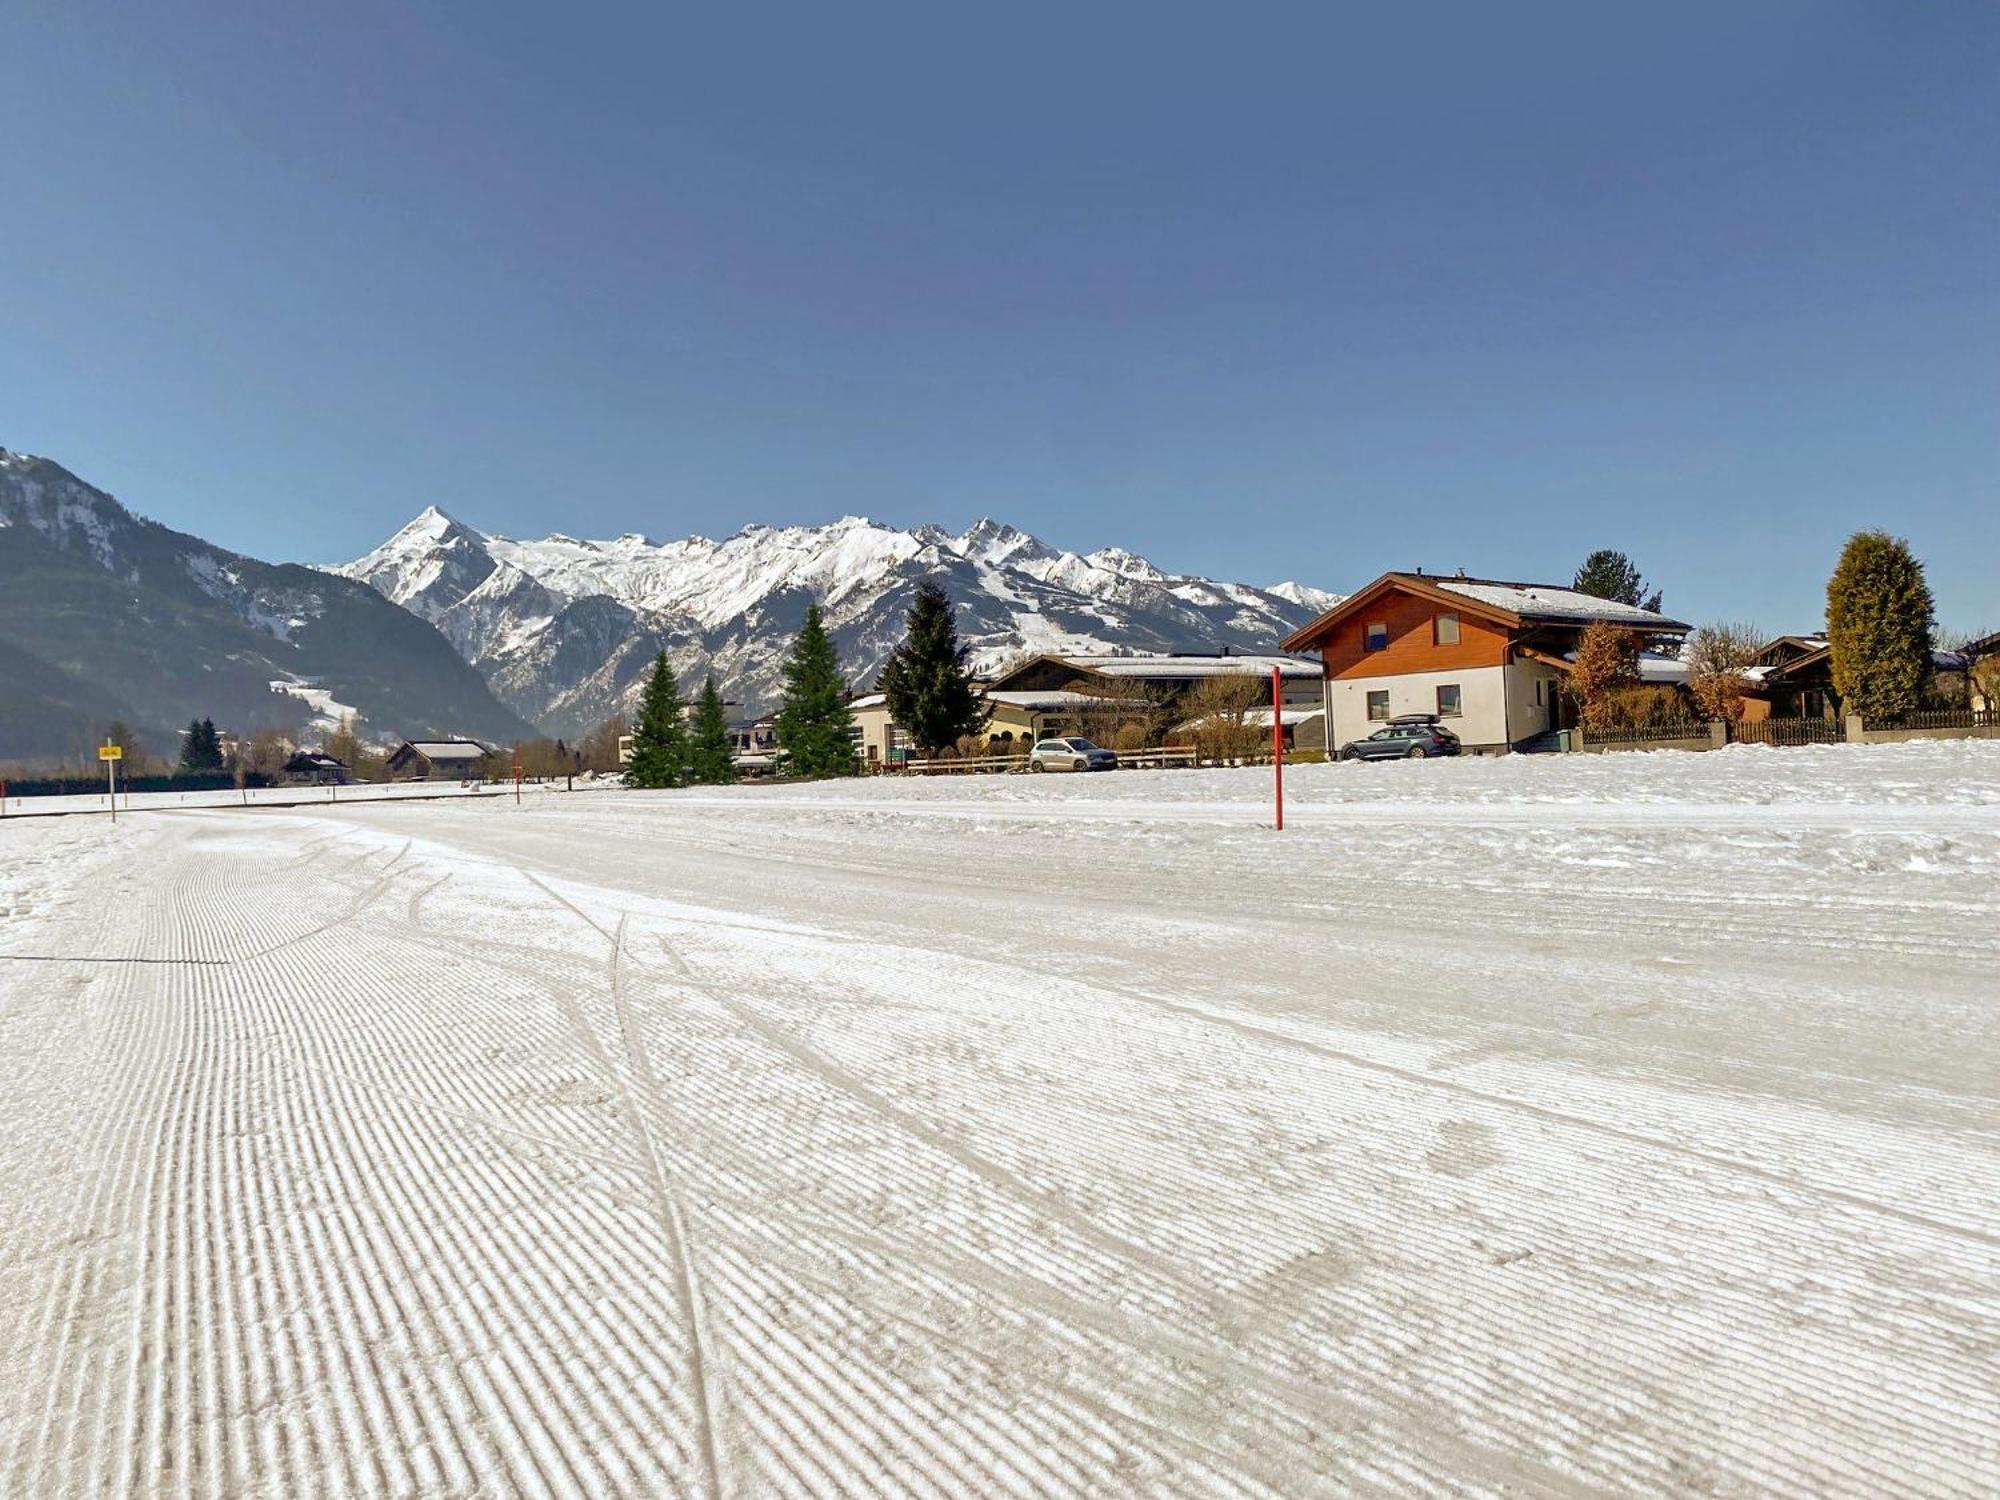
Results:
926 682
659 743
711 752
1878 622
201 749
1608 574
814 722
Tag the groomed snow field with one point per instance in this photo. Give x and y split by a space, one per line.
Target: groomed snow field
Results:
1609 1125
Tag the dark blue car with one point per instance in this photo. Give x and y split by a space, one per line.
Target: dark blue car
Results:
1412 737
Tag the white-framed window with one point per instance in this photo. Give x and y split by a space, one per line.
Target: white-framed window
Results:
1448 700
1378 703
1444 628
1376 637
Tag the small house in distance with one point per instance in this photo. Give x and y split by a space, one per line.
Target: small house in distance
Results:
438 760
310 768
1487 657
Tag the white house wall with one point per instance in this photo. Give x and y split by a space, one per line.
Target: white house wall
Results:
1525 717
1482 698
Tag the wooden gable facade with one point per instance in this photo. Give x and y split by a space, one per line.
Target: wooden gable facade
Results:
1399 624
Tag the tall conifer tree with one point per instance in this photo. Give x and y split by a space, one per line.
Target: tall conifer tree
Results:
813 725
711 752
927 683
201 748
1610 574
659 742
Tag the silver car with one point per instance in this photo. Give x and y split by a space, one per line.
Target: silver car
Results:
1071 753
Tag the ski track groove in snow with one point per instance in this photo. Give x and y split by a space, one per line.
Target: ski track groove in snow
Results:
1027 1140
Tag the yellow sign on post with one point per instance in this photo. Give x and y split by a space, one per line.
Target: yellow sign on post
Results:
111 755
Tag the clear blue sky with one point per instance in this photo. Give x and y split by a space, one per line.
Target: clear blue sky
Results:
1261 293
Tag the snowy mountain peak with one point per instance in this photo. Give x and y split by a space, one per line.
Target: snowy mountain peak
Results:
997 544
1125 564
433 522
564 628
1319 601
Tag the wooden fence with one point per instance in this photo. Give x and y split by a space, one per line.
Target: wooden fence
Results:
1713 734
1788 732
1690 734
1939 718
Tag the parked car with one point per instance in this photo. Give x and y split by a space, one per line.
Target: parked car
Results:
1071 753
1411 737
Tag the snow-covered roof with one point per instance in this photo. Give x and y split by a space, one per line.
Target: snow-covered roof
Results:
1261 717
1653 667
1054 699
1192 665
1542 601
450 749
869 700
1287 717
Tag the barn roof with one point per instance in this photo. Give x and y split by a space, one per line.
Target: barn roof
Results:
449 749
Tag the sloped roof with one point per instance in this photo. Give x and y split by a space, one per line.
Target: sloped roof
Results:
1554 603
1054 699
449 749
1512 604
1192 665
1172 666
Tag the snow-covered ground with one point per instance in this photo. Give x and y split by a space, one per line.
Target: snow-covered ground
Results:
265 796
1586 1125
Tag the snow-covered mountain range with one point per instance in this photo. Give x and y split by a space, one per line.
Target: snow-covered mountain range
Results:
105 616
563 629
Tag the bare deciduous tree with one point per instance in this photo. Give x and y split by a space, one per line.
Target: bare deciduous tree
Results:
600 746
1118 711
1218 716
1717 655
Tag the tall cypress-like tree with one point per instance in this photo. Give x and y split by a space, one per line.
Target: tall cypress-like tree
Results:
711 752
814 722
659 742
1609 574
927 684
1878 623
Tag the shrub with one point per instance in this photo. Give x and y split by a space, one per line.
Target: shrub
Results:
1607 663
1643 705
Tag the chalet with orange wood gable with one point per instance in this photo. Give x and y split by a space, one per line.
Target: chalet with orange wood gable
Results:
1487 657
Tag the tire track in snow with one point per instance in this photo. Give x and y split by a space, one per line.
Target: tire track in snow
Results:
672 1217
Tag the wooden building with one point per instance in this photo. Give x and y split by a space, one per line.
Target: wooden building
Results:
438 760
1487 657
